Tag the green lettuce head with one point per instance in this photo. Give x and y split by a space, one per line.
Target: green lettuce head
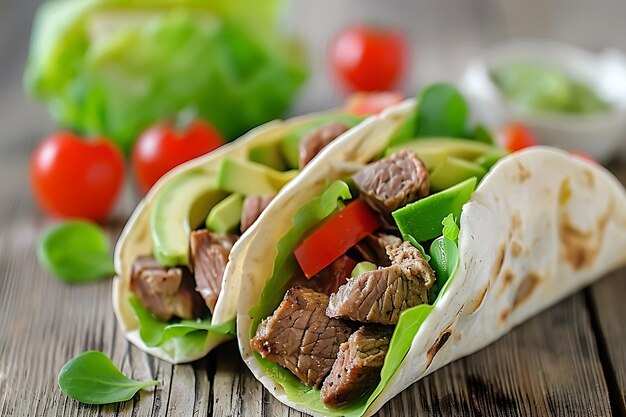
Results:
113 67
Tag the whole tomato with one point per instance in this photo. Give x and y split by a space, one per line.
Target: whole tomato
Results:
365 104
518 136
73 177
368 59
163 147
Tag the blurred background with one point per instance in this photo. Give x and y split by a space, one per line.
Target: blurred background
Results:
441 38
443 34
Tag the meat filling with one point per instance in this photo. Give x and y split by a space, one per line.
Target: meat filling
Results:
315 141
300 337
380 296
253 206
166 292
373 248
358 365
209 255
393 182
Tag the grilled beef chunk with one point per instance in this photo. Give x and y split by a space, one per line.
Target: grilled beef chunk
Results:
316 140
165 292
373 248
358 365
380 296
253 206
209 255
393 182
300 337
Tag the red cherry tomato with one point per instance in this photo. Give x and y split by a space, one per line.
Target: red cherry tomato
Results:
368 59
162 147
335 236
517 136
71 177
365 104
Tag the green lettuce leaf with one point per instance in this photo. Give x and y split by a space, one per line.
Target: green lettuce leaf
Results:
285 263
179 338
113 67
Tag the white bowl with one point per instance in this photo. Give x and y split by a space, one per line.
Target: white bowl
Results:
598 134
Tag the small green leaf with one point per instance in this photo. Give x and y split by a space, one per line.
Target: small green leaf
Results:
450 228
483 134
445 258
442 112
419 247
155 332
92 378
76 252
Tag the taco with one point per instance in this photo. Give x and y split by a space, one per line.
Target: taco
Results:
169 294
398 251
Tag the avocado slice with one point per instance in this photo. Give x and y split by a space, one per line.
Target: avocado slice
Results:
464 149
452 171
250 178
179 208
290 144
363 267
225 216
268 154
422 219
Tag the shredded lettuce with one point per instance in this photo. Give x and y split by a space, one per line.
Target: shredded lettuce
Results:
113 67
182 338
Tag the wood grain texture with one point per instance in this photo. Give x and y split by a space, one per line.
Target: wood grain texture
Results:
547 366
608 303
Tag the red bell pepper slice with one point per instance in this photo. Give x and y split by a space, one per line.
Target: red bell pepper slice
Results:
335 236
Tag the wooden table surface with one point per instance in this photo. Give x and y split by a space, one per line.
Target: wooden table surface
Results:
567 361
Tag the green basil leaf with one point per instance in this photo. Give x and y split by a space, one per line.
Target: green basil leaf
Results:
76 252
442 112
92 378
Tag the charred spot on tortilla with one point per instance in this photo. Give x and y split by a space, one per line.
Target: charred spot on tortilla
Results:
523 173
478 301
516 248
504 315
580 248
589 179
436 347
497 266
507 279
525 289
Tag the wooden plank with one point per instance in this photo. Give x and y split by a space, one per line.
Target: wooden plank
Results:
45 323
608 310
548 366
608 304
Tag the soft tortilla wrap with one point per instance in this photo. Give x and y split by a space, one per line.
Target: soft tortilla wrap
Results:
135 241
541 225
